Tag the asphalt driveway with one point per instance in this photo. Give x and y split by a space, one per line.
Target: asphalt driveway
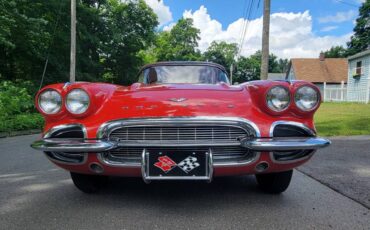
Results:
34 194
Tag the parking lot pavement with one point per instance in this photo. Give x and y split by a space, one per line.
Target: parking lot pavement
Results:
34 194
344 167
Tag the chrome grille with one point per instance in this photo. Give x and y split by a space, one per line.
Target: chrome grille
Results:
181 133
220 135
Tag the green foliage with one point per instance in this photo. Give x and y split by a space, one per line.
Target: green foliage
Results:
17 111
336 52
131 29
360 40
14 100
222 53
180 43
249 68
22 122
110 34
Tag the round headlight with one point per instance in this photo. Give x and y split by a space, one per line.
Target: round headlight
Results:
77 101
306 98
50 101
278 98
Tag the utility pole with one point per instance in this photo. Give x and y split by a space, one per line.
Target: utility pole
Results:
265 39
231 73
72 72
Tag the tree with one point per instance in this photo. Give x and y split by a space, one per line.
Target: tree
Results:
248 68
222 53
180 43
110 36
130 29
360 40
336 52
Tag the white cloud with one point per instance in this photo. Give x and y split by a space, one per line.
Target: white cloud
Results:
328 28
169 26
290 34
163 12
338 17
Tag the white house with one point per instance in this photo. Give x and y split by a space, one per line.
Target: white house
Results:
358 88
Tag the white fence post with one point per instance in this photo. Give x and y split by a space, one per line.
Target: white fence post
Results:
324 91
341 90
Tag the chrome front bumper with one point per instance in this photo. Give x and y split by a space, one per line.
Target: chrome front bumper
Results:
254 144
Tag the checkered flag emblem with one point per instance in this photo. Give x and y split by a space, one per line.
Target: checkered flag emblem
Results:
188 164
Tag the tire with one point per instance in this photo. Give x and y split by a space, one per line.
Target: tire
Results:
274 183
88 183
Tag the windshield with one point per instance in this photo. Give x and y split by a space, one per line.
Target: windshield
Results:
183 74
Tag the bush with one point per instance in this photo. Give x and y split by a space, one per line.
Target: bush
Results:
22 122
17 111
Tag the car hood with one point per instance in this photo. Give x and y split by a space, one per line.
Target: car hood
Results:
177 100
165 87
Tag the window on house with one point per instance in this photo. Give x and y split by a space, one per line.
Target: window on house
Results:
359 68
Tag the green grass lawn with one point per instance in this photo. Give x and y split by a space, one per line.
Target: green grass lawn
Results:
343 119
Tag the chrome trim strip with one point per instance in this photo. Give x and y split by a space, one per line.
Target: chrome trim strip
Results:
72 145
292 123
284 144
108 127
173 144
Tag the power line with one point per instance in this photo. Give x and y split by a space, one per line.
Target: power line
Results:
51 44
347 3
248 14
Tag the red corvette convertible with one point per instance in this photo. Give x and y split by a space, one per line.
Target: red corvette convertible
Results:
183 121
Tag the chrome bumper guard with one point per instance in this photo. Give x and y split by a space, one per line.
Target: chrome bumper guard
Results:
254 144
73 145
285 144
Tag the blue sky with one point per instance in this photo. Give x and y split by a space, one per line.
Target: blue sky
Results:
296 24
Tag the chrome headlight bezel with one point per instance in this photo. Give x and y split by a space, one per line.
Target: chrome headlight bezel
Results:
270 97
301 106
54 97
83 99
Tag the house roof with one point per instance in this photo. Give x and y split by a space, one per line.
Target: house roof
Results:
276 76
363 53
330 70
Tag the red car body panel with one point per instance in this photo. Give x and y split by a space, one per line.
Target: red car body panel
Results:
112 102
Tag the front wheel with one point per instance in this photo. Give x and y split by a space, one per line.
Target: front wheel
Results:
88 183
274 182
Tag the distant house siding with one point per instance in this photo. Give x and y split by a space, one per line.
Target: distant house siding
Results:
358 90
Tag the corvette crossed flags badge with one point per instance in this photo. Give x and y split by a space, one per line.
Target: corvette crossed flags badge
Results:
166 164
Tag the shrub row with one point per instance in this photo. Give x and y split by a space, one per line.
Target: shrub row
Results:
17 111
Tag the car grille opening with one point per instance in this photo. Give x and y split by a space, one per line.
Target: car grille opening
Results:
291 155
73 131
288 130
291 130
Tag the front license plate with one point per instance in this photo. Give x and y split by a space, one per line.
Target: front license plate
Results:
176 165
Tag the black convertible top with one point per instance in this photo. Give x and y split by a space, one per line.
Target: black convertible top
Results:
184 63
